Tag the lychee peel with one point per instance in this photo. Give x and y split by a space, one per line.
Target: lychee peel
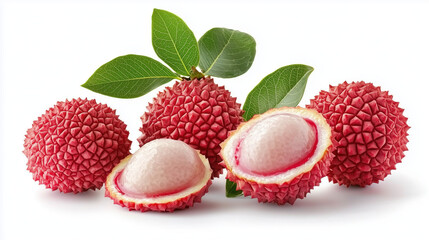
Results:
197 112
370 128
75 144
286 185
181 203
287 192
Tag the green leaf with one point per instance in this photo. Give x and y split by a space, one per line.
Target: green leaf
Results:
129 76
174 42
226 53
231 189
283 87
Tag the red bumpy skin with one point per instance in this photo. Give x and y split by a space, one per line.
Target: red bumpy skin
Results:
177 204
288 192
197 112
370 128
75 144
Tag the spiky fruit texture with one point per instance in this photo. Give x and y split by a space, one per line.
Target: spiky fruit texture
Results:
279 156
163 175
370 128
197 112
75 144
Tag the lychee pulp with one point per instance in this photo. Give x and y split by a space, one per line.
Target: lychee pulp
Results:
160 168
276 144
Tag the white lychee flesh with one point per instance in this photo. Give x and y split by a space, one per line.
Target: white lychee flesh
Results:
161 167
276 144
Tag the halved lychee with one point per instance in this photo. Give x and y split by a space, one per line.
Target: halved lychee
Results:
163 175
279 156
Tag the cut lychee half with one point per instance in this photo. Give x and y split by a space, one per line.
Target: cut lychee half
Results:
279 156
163 175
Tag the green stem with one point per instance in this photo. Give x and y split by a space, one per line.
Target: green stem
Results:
195 74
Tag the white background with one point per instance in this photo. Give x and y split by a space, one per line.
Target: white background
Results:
49 48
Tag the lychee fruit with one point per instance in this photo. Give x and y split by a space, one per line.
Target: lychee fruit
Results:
197 112
163 175
279 156
370 129
75 144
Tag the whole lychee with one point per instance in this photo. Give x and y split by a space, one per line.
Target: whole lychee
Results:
279 156
163 175
197 112
370 128
75 144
